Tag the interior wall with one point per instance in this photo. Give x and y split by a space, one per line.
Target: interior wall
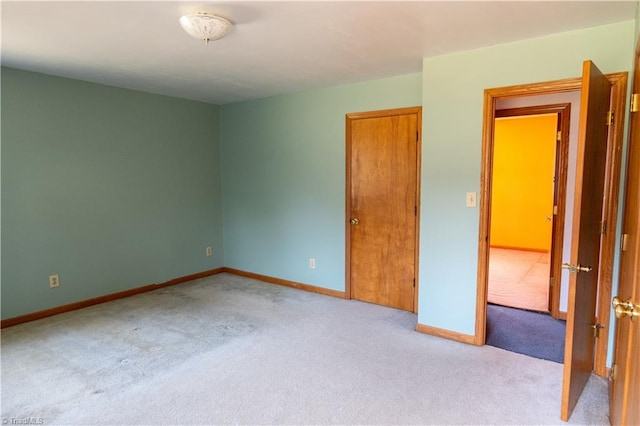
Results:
284 177
452 144
524 152
109 188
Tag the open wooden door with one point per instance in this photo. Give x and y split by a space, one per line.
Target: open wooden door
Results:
625 398
585 241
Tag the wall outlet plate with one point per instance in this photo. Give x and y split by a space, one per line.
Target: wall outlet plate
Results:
54 281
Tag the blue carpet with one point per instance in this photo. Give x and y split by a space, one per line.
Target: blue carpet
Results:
530 333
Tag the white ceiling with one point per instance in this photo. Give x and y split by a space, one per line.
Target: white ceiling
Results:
274 47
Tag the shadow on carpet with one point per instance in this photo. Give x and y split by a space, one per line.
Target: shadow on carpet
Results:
530 333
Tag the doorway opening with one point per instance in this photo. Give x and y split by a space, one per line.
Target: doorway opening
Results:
529 197
528 204
538 94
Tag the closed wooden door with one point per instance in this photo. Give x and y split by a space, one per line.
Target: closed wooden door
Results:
625 399
382 206
585 241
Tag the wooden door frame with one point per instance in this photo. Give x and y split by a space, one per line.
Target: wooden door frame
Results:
612 186
563 111
378 114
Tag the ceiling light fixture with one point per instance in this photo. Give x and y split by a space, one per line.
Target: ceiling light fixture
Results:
205 27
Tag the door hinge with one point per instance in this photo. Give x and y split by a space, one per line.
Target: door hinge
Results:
635 102
415 210
614 372
603 227
550 281
417 137
414 282
559 136
596 330
623 242
555 210
611 115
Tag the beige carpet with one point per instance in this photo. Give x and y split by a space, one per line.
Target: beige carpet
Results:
230 350
519 279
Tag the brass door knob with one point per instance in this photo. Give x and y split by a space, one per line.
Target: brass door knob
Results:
622 312
625 309
619 302
355 221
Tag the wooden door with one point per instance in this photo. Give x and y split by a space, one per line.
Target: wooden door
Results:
625 399
585 241
382 191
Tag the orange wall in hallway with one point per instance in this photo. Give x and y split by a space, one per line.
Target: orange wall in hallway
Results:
522 187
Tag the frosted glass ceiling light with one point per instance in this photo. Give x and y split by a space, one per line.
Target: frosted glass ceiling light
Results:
205 27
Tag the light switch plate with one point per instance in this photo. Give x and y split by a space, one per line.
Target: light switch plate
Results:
472 199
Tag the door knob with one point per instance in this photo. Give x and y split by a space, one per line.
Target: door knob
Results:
619 302
625 309
355 221
573 269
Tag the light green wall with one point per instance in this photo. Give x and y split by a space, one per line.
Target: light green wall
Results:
453 90
109 188
284 177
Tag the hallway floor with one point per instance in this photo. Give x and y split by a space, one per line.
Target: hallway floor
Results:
519 279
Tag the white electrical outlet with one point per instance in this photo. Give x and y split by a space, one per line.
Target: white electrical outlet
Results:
312 263
54 281
209 251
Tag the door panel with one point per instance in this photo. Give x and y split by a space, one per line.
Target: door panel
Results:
625 402
383 200
585 242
